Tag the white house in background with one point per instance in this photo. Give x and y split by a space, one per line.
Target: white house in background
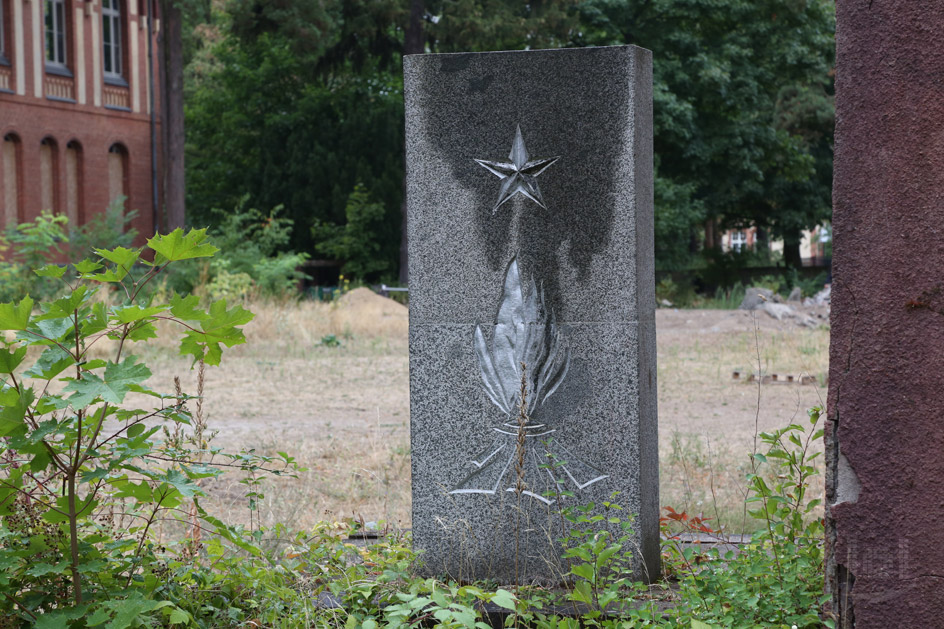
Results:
812 247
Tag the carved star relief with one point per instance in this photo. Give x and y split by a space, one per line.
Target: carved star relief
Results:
519 176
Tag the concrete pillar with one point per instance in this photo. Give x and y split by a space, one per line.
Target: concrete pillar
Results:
885 435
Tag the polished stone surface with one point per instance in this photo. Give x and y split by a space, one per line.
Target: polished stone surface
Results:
572 205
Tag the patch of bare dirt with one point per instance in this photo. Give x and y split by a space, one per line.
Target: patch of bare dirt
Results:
344 411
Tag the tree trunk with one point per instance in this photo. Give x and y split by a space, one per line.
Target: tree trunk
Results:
413 37
712 238
412 45
791 250
172 114
761 241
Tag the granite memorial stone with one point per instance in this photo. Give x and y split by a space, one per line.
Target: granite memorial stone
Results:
532 317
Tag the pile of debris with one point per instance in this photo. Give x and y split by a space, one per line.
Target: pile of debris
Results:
757 298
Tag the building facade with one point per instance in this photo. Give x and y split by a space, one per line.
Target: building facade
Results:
812 245
78 128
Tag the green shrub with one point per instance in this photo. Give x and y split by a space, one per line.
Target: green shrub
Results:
809 286
777 283
252 245
777 578
84 476
724 298
723 268
27 246
357 243
680 295
104 230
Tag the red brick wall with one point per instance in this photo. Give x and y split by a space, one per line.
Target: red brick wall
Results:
96 132
88 120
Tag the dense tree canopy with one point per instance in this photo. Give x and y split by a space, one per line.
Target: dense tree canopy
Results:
299 102
743 111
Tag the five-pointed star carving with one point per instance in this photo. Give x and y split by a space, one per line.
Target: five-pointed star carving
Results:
519 175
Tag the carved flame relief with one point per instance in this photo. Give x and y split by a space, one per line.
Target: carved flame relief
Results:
525 333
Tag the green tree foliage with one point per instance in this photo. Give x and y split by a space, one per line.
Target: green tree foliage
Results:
294 103
743 109
463 25
356 241
261 128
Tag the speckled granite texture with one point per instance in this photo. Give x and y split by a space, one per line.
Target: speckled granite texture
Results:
591 251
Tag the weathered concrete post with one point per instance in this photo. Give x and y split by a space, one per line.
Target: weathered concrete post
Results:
529 199
885 435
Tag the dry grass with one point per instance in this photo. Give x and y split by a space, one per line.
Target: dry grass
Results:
343 412
708 420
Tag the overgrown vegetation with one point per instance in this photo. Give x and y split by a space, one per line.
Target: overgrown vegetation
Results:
84 477
27 246
253 259
776 579
357 242
101 518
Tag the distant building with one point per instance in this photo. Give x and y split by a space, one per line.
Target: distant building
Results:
75 109
812 246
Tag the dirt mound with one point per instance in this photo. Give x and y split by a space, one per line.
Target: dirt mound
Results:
368 303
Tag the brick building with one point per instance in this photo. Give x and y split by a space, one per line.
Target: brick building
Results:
76 119
812 245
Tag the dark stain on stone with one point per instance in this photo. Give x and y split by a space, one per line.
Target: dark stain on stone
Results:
454 63
480 84
556 120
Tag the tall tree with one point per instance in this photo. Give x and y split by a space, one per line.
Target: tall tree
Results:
303 98
260 125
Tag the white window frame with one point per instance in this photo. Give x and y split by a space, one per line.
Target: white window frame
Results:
112 51
738 240
56 27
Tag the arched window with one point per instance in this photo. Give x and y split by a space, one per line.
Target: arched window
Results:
10 180
48 175
74 191
118 175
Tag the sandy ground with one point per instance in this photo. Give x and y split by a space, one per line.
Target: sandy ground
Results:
343 411
698 353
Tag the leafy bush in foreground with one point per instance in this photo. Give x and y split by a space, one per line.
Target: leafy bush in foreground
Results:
28 246
83 477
